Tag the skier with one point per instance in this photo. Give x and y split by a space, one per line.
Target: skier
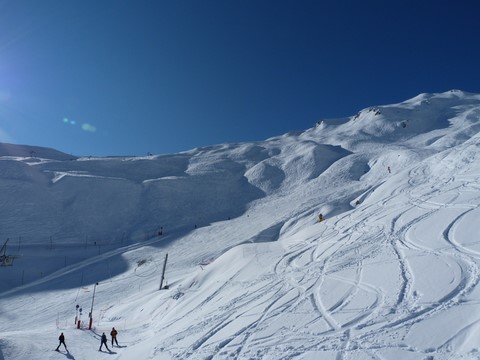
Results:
61 338
320 218
103 342
114 333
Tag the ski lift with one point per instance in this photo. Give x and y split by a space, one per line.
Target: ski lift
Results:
5 260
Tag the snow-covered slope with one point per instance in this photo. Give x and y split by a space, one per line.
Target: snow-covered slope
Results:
392 273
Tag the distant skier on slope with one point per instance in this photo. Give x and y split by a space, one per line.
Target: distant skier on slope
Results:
114 333
320 218
61 338
103 342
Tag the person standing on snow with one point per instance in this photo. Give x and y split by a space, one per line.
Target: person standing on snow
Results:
61 338
114 333
103 342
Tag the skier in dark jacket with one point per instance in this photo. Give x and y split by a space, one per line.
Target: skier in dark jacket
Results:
114 333
61 338
103 342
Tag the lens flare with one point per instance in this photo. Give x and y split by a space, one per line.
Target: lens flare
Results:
88 127
85 126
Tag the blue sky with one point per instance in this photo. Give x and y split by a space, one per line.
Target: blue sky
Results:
135 77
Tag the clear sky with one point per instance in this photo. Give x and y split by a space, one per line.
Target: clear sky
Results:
116 77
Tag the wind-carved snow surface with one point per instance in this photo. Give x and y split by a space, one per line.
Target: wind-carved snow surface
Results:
391 273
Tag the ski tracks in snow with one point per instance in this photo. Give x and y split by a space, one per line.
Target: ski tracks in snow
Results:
360 279
410 237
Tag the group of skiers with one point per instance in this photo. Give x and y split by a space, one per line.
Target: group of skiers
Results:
103 340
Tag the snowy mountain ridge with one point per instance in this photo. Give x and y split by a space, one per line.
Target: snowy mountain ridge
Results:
392 273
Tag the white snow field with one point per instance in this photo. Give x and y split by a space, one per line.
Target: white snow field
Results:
251 273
